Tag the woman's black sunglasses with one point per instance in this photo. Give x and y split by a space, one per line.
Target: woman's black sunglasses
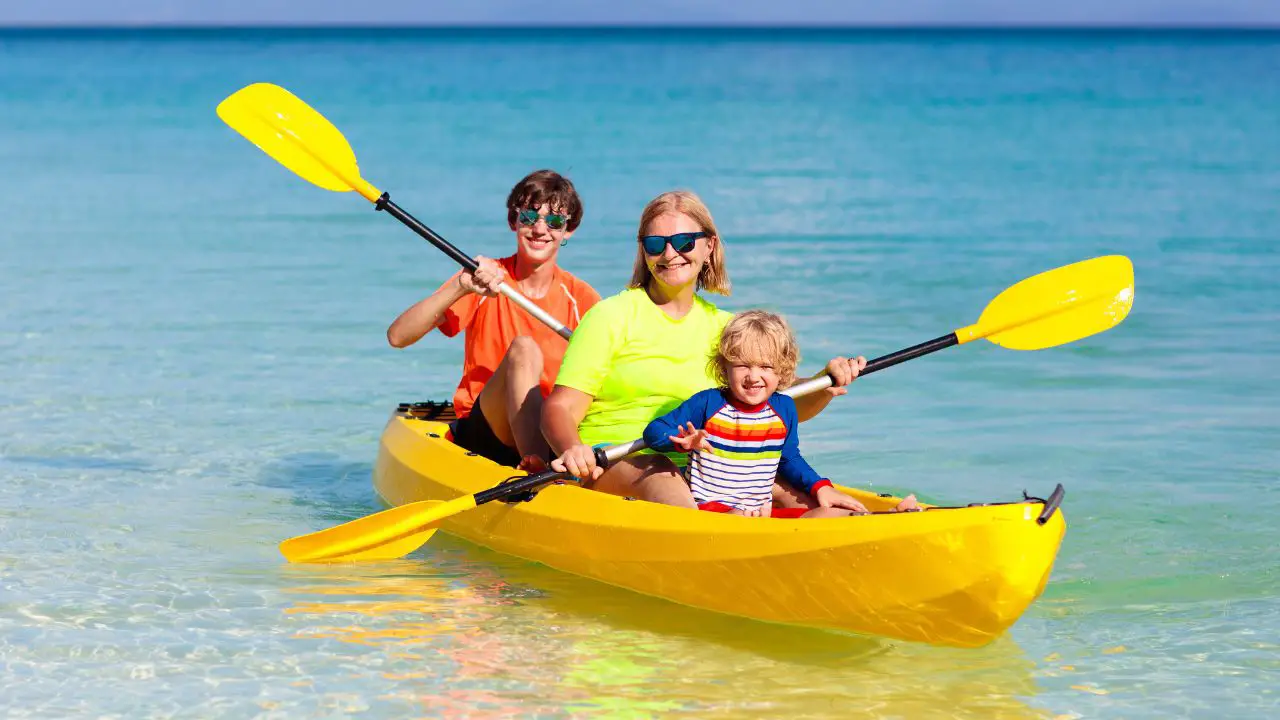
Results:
682 242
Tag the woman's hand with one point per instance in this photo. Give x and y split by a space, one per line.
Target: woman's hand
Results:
485 280
690 438
843 371
578 460
828 497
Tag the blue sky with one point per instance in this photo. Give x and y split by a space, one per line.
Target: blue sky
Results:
623 12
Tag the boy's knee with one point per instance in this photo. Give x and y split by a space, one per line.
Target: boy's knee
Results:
525 352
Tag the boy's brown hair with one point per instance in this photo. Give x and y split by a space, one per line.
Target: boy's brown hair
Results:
545 187
757 336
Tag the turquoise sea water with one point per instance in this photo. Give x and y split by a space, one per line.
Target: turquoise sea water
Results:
193 366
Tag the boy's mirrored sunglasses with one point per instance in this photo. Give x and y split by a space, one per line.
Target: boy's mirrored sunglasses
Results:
555 221
682 242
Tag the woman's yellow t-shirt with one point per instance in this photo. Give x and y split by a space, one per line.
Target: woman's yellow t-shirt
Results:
638 363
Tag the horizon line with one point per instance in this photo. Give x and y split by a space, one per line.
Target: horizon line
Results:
644 26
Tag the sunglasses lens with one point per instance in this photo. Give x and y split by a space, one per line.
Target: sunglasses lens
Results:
557 222
528 217
684 242
654 244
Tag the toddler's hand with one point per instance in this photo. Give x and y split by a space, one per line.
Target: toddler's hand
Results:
690 439
765 510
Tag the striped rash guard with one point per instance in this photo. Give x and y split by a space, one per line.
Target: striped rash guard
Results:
750 446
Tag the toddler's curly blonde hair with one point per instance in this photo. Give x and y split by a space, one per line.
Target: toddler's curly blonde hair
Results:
757 337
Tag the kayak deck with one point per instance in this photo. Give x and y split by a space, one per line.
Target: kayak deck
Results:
954 576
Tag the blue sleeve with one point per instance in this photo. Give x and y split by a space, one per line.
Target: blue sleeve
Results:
793 467
697 410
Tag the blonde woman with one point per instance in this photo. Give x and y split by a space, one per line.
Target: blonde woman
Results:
642 352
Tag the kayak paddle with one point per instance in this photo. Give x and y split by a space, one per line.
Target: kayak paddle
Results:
1042 311
301 139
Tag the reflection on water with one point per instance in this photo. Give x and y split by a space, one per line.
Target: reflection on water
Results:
463 631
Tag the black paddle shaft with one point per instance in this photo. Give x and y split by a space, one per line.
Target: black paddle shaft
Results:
915 351
431 236
531 482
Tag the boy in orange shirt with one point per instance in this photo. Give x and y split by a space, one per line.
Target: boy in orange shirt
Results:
510 358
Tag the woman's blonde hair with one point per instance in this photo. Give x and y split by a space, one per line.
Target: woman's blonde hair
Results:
713 276
756 336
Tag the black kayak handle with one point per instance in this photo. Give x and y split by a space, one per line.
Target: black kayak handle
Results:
1051 505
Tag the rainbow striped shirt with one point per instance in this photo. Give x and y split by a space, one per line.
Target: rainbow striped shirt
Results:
750 446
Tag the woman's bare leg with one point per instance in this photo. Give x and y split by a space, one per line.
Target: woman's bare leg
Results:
647 477
786 495
909 504
829 513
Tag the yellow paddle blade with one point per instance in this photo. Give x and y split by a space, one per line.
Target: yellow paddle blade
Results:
385 535
1058 306
293 133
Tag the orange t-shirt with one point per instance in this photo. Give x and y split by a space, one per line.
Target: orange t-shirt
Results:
492 323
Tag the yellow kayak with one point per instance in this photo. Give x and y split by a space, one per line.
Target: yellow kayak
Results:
946 576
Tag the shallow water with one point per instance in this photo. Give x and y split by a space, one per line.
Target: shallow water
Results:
193 363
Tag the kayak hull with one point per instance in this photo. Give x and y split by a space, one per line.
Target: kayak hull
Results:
956 577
